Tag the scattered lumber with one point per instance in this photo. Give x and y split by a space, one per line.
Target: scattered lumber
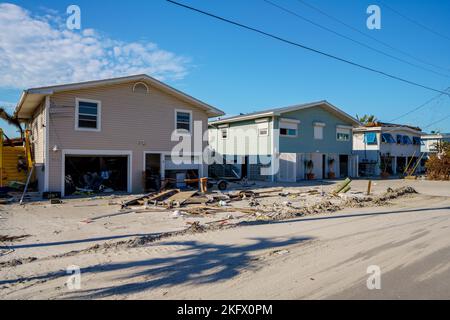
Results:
180 198
151 198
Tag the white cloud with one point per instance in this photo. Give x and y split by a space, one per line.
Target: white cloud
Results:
40 50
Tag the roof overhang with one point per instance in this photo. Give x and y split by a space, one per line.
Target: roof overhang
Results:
387 129
281 111
31 98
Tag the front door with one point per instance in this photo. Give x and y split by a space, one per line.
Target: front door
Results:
343 166
324 166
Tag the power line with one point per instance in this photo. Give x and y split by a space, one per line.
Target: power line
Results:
432 124
308 48
351 39
419 107
415 22
371 37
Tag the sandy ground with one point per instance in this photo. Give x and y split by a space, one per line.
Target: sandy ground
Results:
313 257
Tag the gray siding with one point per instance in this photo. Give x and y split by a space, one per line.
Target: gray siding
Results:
305 142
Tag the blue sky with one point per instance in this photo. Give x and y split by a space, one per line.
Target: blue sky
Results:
234 69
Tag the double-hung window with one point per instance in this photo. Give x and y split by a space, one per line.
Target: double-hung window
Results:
87 115
183 121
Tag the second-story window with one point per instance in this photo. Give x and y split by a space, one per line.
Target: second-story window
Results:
288 128
183 121
224 133
318 130
370 138
87 115
343 134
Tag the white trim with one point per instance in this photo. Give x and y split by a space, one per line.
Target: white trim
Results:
140 82
280 111
190 121
319 124
47 144
224 126
262 120
212 112
387 129
240 118
339 126
275 149
99 114
290 120
96 153
316 136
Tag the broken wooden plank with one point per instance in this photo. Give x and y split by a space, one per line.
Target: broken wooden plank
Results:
178 199
151 198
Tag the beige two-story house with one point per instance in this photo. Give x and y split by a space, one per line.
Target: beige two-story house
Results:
113 135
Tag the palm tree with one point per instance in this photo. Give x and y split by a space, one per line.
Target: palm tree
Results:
367 119
11 119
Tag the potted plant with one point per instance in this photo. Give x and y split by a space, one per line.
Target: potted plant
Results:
331 174
310 166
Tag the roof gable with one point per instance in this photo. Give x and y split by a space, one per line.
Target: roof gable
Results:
31 98
284 110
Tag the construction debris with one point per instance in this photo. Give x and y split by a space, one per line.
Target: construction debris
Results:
343 186
13 238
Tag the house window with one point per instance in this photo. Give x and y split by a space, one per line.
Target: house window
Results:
224 133
263 131
288 129
183 120
342 134
88 115
387 138
417 141
288 132
370 138
318 131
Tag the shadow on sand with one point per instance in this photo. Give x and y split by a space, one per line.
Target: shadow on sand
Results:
197 263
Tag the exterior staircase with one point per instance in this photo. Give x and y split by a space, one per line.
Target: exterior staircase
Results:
11 158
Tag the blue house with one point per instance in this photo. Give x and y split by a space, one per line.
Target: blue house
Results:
305 141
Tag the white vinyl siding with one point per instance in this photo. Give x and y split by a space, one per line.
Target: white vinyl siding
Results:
263 129
224 133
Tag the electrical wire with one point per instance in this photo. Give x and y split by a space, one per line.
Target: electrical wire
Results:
372 37
308 48
352 40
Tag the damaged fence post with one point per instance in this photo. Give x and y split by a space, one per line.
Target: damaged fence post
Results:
342 186
369 187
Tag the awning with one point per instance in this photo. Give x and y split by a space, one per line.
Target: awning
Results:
406 140
387 138
417 141
370 138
